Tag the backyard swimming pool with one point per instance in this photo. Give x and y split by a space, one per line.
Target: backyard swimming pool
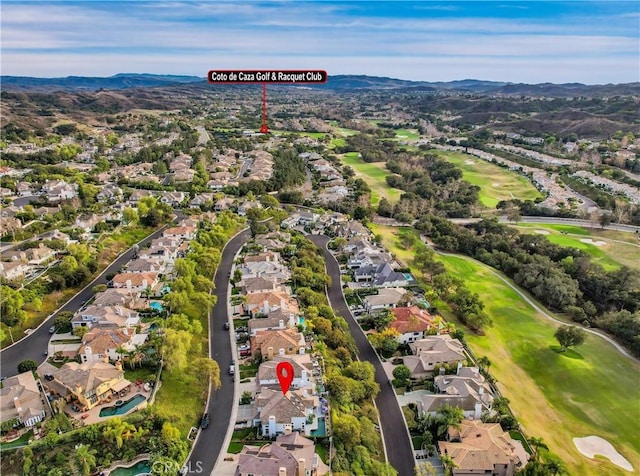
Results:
123 407
141 467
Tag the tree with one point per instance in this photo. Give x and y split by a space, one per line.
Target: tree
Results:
385 341
484 363
448 463
401 373
208 368
175 349
11 311
448 416
605 220
27 365
85 457
569 336
80 331
536 444
62 322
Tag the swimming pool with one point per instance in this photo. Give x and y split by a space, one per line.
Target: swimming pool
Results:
407 276
322 428
141 467
157 306
123 407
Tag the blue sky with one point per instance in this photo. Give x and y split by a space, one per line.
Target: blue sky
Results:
520 41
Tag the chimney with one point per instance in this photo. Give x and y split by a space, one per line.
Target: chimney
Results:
282 472
281 352
301 467
459 367
270 353
280 324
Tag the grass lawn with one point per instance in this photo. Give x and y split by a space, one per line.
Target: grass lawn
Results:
495 182
313 135
248 371
407 134
344 132
181 399
618 250
337 142
374 175
593 391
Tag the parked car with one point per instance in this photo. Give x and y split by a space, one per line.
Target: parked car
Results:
232 367
204 423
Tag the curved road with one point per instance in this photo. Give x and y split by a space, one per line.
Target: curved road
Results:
394 431
33 346
209 442
534 305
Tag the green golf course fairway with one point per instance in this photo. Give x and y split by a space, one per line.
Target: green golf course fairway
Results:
374 175
592 391
407 134
621 248
495 183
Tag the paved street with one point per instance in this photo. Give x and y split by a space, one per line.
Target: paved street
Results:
209 443
34 345
396 437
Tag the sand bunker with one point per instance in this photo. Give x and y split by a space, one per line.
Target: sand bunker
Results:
542 232
496 184
594 445
591 242
469 162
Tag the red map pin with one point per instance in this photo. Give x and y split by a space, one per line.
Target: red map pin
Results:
284 370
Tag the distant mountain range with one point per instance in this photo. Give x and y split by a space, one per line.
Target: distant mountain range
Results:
341 83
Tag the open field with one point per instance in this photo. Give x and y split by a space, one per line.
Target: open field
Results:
619 248
495 183
374 174
591 391
313 135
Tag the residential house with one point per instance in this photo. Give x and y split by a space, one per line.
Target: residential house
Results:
137 195
302 369
202 200
88 222
264 269
244 208
180 232
161 253
109 193
104 343
223 204
387 298
145 266
483 448
172 198
277 320
95 315
353 228
116 297
290 455
21 398
259 285
136 281
184 175
266 303
279 342
32 256
14 269
278 413
24 189
307 218
58 190
382 276
467 390
432 351
412 323
88 384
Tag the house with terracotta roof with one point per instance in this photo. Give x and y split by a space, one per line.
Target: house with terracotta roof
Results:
280 342
290 455
103 343
278 413
21 398
181 232
483 448
412 323
136 281
89 383
432 351
266 303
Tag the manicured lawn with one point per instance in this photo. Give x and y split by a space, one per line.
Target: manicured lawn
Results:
346 132
374 175
556 396
610 256
23 440
248 371
313 135
407 134
337 142
495 182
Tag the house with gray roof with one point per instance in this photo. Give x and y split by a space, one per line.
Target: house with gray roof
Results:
21 398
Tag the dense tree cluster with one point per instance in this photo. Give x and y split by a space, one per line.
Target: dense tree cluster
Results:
562 278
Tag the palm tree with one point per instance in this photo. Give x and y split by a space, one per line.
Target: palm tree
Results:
449 464
555 467
484 363
85 457
536 444
448 416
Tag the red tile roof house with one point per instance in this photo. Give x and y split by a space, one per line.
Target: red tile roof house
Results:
412 323
136 281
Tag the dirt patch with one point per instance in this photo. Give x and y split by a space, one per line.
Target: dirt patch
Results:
469 162
594 445
589 241
496 184
542 232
